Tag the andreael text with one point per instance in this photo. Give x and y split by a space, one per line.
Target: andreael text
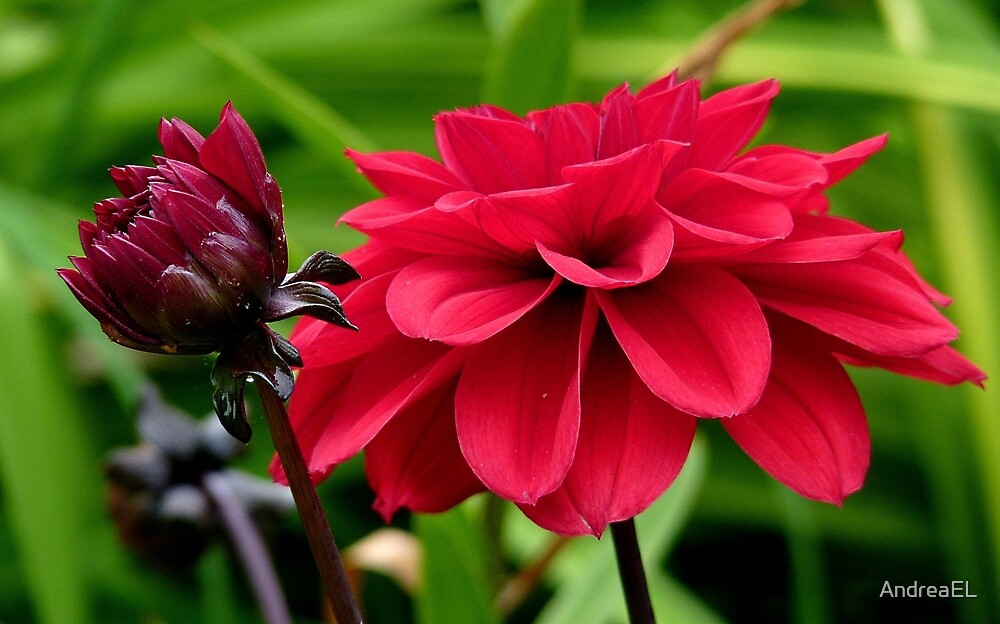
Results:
957 589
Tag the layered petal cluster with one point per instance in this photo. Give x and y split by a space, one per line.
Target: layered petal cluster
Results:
549 310
192 259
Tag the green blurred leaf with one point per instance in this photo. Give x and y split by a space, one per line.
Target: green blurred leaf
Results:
44 460
312 121
586 581
218 603
530 66
809 583
43 234
456 586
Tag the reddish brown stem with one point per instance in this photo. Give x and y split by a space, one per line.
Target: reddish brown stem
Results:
324 549
701 60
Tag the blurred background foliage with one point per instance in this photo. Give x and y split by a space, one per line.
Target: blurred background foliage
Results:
82 86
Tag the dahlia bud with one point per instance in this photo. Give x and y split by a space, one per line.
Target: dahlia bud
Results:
192 259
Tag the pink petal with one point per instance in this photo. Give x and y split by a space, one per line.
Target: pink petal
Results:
518 401
838 165
809 429
312 403
841 163
812 240
415 461
631 447
382 212
725 208
490 154
619 132
727 122
669 113
447 229
323 344
869 301
570 132
659 85
383 382
781 175
942 365
406 173
463 300
696 336
637 251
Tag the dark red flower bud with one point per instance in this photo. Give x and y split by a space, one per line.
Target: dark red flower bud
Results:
192 259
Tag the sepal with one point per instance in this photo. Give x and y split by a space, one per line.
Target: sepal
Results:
324 266
263 355
297 298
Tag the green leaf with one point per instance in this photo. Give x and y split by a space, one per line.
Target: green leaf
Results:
43 234
312 121
530 65
456 586
44 460
587 580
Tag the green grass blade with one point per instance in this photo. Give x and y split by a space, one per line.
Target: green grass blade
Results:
809 588
312 121
43 234
530 66
43 461
456 586
587 580
963 224
820 63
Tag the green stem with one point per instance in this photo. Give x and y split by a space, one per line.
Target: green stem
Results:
633 575
324 549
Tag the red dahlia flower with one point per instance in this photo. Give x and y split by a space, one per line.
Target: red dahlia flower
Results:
547 313
192 259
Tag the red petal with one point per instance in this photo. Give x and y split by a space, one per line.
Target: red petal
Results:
232 154
728 120
463 300
489 154
322 344
869 301
406 173
180 141
448 229
669 113
385 381
518 401
619 132
813 241
108 313
570 132
726 208
696 336
637 251
838 165
415 461
942 365
809 429
311 405
631 447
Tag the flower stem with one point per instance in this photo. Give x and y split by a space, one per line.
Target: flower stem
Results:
250 549
633 576
701 60
324 549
